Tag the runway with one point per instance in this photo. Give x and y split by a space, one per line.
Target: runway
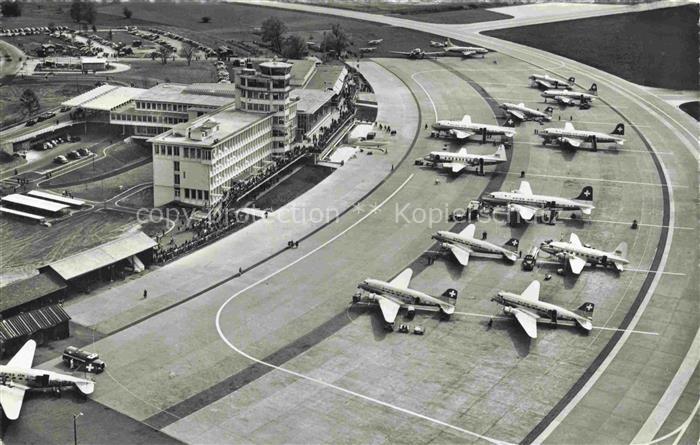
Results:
272 357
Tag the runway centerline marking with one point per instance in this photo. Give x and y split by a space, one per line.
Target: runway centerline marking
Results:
318 381
413 77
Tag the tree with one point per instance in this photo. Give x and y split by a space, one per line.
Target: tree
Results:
337 40
294 47
273 30
127 13
29 102
110 35
83 11
187 52
206 19
10 8
164 53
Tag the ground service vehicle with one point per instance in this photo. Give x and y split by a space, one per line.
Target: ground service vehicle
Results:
530 259
77 358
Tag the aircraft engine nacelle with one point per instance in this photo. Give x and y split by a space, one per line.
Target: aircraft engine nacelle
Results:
507 310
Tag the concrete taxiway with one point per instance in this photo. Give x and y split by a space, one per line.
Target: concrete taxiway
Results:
277 355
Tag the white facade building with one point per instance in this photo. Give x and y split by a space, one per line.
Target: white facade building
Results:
267 90
195 162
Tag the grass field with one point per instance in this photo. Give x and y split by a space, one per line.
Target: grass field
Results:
146 73
50 96
110 187
455 13
236 22
654 48
119 156
27 245
294 186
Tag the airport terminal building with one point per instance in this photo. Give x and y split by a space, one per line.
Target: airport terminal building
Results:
195 162
206 136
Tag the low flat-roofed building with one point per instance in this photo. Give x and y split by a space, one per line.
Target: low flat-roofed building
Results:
99 102
195 162
160 108
133 250
302 71
31 293
57 198
93 63
33 205
21 215
42 325
328 77
313 109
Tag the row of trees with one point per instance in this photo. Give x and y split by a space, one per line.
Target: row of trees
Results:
83 11
294 46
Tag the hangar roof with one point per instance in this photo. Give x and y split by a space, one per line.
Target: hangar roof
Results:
104 98
23 291
102 255
36 203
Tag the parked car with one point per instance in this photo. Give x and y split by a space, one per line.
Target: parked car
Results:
65 108
47 115
60 159
530 259
84 152
74 155
30 122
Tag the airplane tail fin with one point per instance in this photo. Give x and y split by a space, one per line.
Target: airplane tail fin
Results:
619 129
448 42
501 153
86 386
450 293
513 242
586 194
586 310
510 123
549 110
572 80
593 89
621 250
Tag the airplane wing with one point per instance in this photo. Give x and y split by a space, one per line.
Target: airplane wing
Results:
544 84
461 134
619 266
24 357
389 308
517 114
564 100
434 53
457 167
468 231
532 292
403 53
527 320
576 264
568 126
571 141
462 255
525 188
527 213
468 53
11 401
403 279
